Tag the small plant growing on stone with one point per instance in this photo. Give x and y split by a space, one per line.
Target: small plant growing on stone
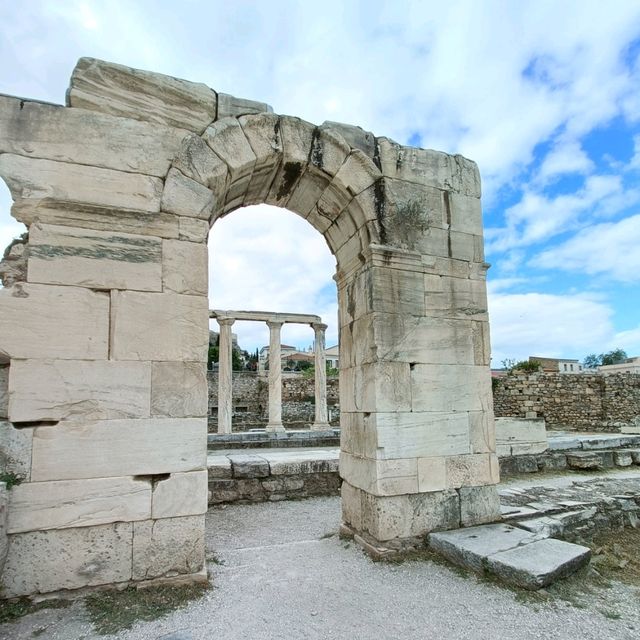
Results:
10 479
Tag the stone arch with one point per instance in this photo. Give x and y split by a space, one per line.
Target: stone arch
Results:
107 328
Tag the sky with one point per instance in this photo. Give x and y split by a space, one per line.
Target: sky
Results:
544 96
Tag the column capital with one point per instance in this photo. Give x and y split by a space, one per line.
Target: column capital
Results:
274 324
225 322
319 326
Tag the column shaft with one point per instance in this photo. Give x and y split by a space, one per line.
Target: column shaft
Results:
225 377
321 422
275 378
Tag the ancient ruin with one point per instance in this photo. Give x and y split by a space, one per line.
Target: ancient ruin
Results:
104 322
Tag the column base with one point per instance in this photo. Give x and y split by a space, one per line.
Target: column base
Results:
320 426
275 427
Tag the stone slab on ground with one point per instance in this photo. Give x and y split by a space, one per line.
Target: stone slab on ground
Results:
583 460
539 564
515 556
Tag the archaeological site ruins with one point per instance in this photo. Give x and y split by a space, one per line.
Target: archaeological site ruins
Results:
104 324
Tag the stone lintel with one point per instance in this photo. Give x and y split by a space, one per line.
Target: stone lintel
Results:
265 316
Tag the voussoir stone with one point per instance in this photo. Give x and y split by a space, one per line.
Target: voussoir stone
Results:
141 95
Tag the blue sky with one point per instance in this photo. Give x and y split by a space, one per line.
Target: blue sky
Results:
544 96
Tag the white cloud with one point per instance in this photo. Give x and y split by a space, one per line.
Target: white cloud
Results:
610 249
564 158
542 324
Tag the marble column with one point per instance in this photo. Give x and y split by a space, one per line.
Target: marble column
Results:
275 378
225 376
321 422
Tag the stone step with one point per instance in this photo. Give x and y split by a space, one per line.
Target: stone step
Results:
513 555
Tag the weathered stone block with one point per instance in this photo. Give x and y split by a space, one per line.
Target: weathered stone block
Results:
141 95
186 197
111 448
29 178
407 516
168 547
420 434
380 477
181 494
78 503
451 387
522 435
185 267
381 386
432 474
4 391
197 161
479 505
43 321
159 326
472 470
351 506
44 561
4 540
96 259
583 460
249 466
622 458
15 449
53 390
482 432
231 106
178 390
355 137
193 229
433 168
46 131
455 297
465 214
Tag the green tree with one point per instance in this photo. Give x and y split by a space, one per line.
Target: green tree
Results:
592 361
616 356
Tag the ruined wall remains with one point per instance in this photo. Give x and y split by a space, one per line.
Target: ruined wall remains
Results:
251 401
582 402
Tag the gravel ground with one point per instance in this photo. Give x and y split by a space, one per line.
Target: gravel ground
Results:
286 575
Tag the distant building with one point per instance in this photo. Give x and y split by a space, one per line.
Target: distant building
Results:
557 365
332 357
630 365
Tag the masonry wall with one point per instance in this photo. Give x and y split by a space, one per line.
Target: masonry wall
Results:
251 401
580 402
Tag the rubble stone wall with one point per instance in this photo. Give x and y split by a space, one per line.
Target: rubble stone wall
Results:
581 402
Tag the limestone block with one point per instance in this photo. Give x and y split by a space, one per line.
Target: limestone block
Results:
472 470
351 506
329 150
297 139
395 291
452 387
197 161
97 259
78 503
482 432
110 448
432 474
423 340
358 435
95 217
420 434
159 326
522 435
622 458
356 174
29 178
168 547
4 391
186 197
52 390
231 106
193 229
465 214
185 267
263 133
15 449
178 390
464 246
141 95
479 505
306 193
181 494
358 342
44 561
380 477
227 140
381 386
433 168
40 130
481 342
4 540
355 137
407 516
341 229
45 321
455 297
